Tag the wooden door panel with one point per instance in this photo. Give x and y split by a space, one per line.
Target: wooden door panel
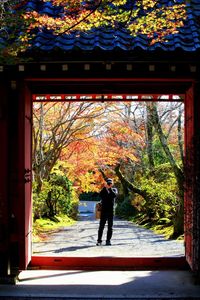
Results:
25 167
189 177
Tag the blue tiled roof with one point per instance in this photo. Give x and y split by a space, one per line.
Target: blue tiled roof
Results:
188 38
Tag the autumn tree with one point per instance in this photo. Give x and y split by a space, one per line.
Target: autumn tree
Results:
59 126
177 168
12 30
111 141
79 140
150 18
56 126
169 133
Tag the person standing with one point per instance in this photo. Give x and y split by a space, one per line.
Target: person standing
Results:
107 195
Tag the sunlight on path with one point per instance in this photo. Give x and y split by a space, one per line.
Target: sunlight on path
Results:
129 240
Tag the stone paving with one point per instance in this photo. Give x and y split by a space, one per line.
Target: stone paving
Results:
102 285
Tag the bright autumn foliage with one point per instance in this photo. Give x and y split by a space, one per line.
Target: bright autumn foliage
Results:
85 139
58 126
85 159
150 18
147 17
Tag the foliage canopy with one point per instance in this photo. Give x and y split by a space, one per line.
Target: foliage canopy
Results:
154 19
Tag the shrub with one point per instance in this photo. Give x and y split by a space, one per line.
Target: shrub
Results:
57 196
125 209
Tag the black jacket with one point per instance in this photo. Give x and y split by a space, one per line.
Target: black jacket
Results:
108 199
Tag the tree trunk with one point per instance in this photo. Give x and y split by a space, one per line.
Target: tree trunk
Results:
180 139
50 205
127 185
149 140
179 216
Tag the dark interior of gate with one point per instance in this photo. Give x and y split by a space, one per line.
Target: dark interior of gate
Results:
116 90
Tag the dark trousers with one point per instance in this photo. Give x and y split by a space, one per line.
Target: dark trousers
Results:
105 218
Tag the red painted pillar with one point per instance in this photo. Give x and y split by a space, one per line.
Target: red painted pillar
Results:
9 190
196 238
4 222
13 176
25 176
189 177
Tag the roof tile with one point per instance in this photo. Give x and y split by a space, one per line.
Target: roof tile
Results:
188 38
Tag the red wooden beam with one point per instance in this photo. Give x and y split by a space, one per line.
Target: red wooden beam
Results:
108 263
132 79
104 97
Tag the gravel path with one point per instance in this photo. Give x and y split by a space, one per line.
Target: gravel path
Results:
129 240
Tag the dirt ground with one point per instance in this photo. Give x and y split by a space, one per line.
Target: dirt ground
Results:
129 240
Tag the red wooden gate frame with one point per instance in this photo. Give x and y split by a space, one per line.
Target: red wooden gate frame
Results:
189 176
4 207
117 263
25 180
